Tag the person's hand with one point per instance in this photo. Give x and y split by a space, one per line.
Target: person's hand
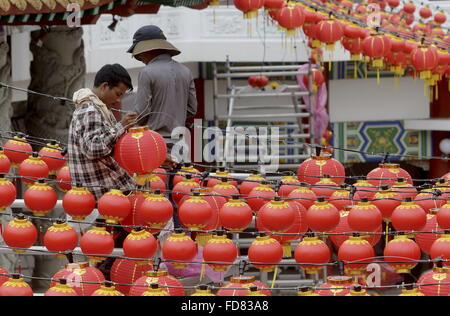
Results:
129 119
169 162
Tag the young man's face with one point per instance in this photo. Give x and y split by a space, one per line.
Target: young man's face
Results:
112 96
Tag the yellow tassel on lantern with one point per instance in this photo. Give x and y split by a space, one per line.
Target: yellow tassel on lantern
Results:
396 82
330 47
274 277
387 232
354 70
356 57
365 70
378 75
377 63
202 238
436 93
291 33
425 74
316 43
202 272
287 251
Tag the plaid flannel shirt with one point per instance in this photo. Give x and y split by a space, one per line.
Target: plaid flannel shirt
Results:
90 149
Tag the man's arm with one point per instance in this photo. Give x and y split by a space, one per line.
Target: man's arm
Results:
143 98
192 101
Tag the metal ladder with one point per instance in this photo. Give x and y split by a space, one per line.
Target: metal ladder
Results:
294 119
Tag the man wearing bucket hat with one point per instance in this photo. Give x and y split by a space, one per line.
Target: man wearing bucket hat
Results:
166 93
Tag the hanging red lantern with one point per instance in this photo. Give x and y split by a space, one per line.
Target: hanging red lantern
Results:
155 211
187 168
364 217
139 244
114 206
236 215
425 12
435 282
17 150
183 188
341 198
84 279
60 237
276 215
386 201
312 169
303 195
133 219
195 212
167 282
404 189
125 271
140 150
428 199
409 7
443 216
179 247
291 17
239 286
52 156
401 250
425 240
40 198
365 189
289 184
424 59
440 17
377 46
260 195
354 46
220 249
7 193
32 169
441 248
393 3
409 216
15 286
96 242
225 188
317 79
265 250
221 173
325 187
322 216
61 289
329 31
250 183
387 173
312 250
353 250
5 164
249 8
63 179
335 286
160 173
107 289
20 233
258 81
78 203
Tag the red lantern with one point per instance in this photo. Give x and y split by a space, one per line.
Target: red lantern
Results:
140 244
393 3
187 168
162 277
377 46
441 248
291 17
426 240
251 182
364 217
249 8
424 59
260 195
428 199
96 242
265 250
63 179
32 169
239 286
5 164
160 173
317 79
155 211
221 173
20 233
15 286
133 219
443 216
329 31
124 271
336 286
274 4
107 289
404 189
258 81
78 203
387 173
220 249
353 250
84 279
440 18
140 150
52 156
7 193
386 201
409 217
225 188
179 247
425 12
402 249
325 187
40 198
195 212
235 215
303 195
114 206
312 169
312 250
17 150
60 237
61 289
341 198
277 215
365 189
183 188
439 279
289 184
409 7
322 216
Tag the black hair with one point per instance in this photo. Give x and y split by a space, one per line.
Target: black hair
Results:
113 75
